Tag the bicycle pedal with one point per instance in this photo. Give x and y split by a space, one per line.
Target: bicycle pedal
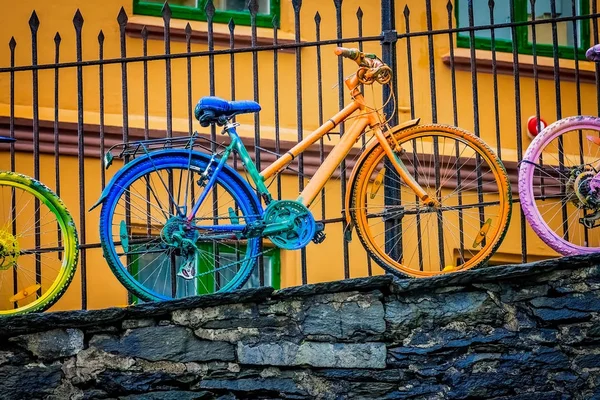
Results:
319 235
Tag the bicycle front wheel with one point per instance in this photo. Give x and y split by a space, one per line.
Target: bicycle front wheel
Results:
38 245
555 185
144 233
461 173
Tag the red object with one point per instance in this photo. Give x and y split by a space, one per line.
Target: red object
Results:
532 126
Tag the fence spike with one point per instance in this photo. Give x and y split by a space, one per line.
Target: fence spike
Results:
188 30
359 13
34 22
406 11
210 9
449 5
57 38
78 20
12 43
231 25
253 7
318 18
122 17
337 3
275 22
166 11
144 32
297 4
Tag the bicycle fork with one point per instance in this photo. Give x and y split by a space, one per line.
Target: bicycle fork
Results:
401 169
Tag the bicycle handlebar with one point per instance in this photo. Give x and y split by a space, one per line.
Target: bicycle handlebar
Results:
362 59
371 67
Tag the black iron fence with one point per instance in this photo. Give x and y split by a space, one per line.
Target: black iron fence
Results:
449 67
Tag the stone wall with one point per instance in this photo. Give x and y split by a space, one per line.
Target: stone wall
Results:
515 332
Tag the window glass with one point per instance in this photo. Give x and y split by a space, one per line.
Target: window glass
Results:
564 30
241 5
186 3
481 16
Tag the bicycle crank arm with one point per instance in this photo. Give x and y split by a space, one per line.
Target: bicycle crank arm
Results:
278 227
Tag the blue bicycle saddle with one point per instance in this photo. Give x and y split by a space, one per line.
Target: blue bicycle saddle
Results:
211 109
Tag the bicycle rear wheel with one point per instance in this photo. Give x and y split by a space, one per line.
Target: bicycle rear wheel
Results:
38 245
454 167
554 185
140 218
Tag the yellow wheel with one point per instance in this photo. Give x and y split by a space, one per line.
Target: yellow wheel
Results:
460 231
38 245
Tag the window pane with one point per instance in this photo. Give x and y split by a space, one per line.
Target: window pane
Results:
254 280
187 3
564 30
241 5
481 16
151 269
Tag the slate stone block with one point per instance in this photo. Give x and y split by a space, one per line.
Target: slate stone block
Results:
28 382
170 343
316 354
345 320
52 344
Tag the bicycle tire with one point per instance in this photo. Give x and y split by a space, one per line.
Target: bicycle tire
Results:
565 235
28 265
383 230
126 263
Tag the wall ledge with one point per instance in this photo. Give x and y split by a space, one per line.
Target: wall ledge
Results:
505 65
385 284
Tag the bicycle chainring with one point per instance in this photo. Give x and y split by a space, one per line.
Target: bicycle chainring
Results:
9 250
303 227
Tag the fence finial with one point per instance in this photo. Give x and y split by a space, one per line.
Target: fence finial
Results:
275 22
188 30
209 9
231 25
12 43
337 3
297 4
449 5
166 11
57 38
122 17
78 20
406 11
253 7
34 22
359 13
318 18
144 32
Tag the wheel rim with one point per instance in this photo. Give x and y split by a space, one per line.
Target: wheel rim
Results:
557 185
149 262
416 233
32 279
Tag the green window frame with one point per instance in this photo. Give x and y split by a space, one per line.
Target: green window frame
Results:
523 44
263 19
272 276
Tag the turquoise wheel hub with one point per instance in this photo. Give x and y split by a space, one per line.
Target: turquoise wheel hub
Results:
301 221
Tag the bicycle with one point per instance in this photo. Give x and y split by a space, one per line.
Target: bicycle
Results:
175 214
559 182
38 244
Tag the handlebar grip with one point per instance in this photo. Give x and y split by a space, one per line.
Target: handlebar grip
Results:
352 54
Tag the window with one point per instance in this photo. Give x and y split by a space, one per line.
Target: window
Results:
523 12
150 269
224 10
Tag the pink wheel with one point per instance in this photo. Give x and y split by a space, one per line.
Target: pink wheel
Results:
557 185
